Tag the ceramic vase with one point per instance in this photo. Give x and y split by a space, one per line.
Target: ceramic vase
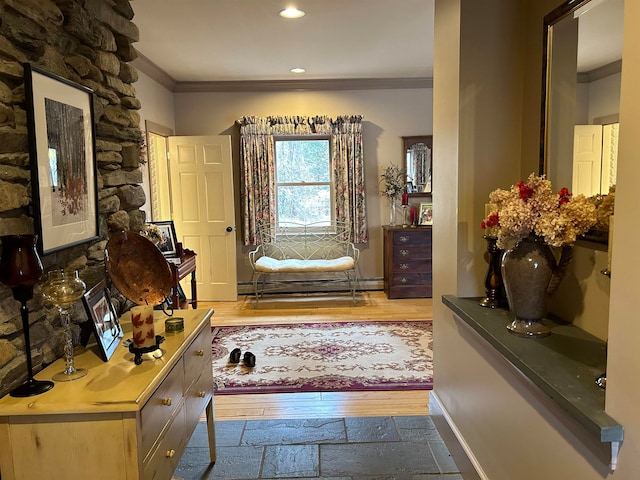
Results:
531 273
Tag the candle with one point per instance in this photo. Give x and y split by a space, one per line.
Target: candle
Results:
142 323
489 208
405 199
610 247
412 216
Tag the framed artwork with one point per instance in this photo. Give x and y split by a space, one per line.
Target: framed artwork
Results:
425 216
103 319
63 165
169 239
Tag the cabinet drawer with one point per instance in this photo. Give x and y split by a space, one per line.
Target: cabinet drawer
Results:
158 410
197 357
197 398
411 279
412 265
403 252
412 237
161 464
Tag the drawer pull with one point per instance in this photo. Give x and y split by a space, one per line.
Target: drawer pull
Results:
404 238
200 353
403 280
166 401
201 393
170 453
404 266
404 252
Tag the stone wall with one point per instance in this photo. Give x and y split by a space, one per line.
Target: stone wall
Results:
88 42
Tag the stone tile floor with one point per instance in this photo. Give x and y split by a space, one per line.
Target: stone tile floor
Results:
368 448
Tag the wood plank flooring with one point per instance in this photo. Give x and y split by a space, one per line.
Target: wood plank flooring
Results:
274 309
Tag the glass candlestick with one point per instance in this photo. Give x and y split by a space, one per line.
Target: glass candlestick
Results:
63 289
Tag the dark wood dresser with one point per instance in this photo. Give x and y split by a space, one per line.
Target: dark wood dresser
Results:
407 262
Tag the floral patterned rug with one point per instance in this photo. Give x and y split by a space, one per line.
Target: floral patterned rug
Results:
324 357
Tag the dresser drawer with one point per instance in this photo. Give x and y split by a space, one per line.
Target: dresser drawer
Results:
412 237
161 406
197 397
411 279
162 462
412 265
404 252
198 357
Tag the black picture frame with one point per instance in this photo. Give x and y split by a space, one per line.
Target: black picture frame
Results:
60 121
103 319
169 238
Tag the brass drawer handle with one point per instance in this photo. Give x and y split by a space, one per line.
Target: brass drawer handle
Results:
166 401
170 453
201 393
404 238
404 266
200 353
403 280
404 252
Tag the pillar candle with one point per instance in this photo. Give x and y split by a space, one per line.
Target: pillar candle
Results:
405 199
412 216
142 324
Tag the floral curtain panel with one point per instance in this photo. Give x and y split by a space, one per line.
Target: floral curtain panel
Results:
257 157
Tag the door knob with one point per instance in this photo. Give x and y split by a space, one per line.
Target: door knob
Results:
229 229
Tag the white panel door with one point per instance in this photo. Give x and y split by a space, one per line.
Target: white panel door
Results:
201 182
587 159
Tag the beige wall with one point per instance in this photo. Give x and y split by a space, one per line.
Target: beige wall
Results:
388 115
510 430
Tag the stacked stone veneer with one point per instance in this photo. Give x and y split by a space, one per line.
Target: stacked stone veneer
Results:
90 43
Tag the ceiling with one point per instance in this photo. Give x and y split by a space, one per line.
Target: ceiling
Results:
246 40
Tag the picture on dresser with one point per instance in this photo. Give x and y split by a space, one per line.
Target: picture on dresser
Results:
425 216
103 318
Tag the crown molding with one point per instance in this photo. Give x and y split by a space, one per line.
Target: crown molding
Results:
600 72
149 68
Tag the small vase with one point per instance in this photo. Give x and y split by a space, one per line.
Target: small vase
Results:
493 284
392 211
530 274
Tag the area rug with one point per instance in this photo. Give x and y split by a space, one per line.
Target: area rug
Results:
322 357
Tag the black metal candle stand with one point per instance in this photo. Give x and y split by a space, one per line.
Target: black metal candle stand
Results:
139 351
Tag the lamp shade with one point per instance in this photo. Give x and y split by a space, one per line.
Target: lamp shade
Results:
20 265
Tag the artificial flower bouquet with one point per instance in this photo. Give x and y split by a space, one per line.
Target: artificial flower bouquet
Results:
393 181
531 207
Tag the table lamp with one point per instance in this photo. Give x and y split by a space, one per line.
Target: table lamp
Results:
20 270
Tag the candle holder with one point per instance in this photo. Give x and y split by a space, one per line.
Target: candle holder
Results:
139 351
494 287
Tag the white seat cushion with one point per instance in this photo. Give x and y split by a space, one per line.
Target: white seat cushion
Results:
271 265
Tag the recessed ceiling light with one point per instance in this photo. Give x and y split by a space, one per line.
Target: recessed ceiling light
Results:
291 12
297 70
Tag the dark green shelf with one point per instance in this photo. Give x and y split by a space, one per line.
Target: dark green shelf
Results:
564 365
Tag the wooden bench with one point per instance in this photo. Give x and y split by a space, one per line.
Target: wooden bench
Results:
314 252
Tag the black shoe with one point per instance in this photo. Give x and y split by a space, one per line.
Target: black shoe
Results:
249 360
234 356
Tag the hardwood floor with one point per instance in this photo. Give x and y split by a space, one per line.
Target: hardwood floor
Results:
314 308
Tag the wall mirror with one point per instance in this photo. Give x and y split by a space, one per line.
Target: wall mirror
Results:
417 161
581 94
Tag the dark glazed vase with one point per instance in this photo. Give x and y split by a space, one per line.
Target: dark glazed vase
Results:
529 272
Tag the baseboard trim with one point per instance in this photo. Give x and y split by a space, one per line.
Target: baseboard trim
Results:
369 284
455 442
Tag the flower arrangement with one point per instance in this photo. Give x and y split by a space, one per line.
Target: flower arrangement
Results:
393 181
153 233
604 208
532 207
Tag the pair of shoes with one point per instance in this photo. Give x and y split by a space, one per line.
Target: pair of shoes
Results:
249 358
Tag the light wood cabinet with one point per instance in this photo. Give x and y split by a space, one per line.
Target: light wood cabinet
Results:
121 421
407 262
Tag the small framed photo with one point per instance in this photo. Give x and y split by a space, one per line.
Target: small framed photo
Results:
169 239
63 166
104 320
425 216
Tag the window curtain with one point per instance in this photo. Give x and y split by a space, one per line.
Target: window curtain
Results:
257 157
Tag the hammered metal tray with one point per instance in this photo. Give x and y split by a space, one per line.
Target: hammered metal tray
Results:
137 268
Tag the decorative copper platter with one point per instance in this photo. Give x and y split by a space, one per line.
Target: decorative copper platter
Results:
137 268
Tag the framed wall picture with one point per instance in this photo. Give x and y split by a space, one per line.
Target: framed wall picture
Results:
103 319
167 244
63 165
425 216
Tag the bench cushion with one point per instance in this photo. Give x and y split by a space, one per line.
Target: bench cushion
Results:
269 265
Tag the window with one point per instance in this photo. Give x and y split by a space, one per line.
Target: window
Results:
304 180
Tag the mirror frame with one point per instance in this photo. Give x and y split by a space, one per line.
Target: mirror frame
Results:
408 142
567 8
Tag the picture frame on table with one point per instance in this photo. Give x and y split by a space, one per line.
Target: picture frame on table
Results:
425 214
61 133
169 238
103 319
